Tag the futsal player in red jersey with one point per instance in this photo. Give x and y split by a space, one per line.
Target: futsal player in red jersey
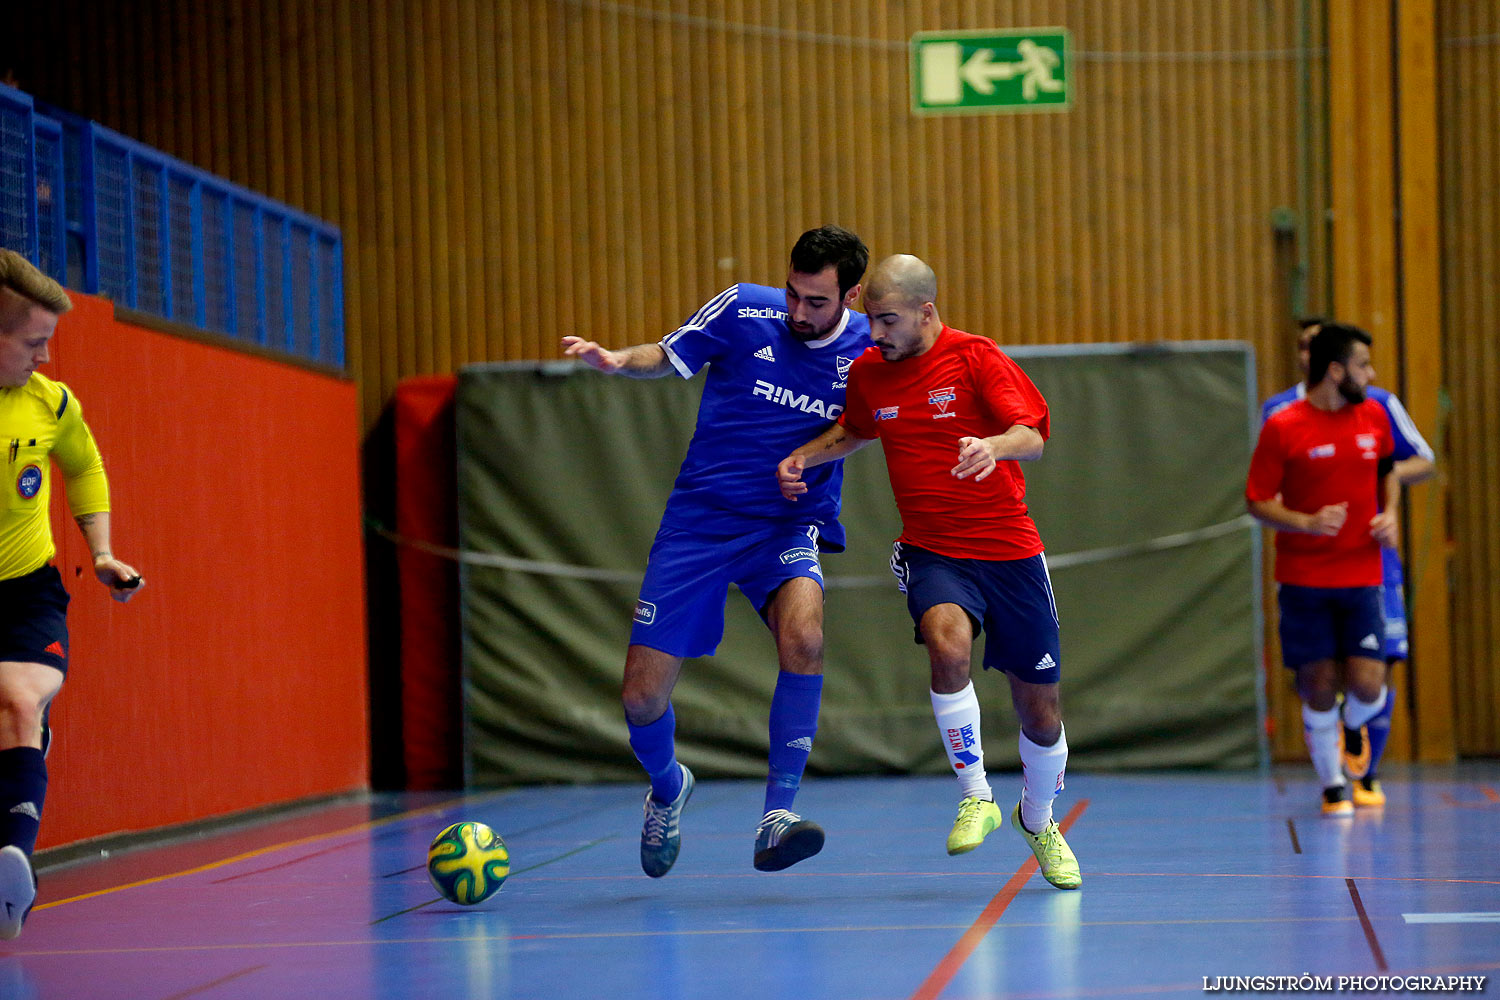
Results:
955 415
1319 471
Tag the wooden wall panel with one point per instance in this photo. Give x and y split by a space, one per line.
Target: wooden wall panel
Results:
509 173
1469 68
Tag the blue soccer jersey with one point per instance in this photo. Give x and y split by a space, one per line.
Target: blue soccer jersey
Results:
766 394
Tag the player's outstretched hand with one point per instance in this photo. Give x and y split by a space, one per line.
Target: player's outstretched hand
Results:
1384 528
789 477
974 456
122 579
1329 520
592 354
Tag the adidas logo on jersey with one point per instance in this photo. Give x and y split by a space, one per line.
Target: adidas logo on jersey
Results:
1046 662
802 743
765 354
1369 642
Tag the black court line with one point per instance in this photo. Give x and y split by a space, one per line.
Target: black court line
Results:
519 871
287 864
546 824
1364 921
217 982
1291 828
512 833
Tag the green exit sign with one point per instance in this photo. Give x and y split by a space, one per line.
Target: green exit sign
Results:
988 72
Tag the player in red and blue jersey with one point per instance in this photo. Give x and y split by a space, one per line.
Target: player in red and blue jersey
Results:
969 557
777 364
1321 476
1414 463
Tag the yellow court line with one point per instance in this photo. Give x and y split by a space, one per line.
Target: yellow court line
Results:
358 827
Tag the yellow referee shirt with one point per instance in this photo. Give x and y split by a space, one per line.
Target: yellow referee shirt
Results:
37 420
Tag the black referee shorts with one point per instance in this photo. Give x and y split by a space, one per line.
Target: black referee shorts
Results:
34 619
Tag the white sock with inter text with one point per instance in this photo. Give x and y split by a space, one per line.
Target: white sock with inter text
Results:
957 717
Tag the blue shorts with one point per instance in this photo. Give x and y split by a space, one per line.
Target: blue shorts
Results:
1010 599
1394 602
681 606
34 619
1329 623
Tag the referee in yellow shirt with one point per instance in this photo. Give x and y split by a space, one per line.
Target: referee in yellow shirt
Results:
39 420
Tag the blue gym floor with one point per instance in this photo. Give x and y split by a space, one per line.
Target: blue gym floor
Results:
1186 876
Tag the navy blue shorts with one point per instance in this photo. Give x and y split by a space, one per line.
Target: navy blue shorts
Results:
1329 623
681 605
34 619
1009 599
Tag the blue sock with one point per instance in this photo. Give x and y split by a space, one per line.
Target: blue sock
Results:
794 722
23 789
1378 730
655 746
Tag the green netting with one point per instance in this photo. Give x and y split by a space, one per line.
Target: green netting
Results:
563 474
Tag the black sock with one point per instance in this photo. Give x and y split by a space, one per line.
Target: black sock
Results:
23 790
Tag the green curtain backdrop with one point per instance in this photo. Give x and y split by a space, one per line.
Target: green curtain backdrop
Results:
562 477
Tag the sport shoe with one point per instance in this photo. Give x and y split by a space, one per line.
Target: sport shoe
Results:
1368 794
17 890
976 818
1356 752
1337 802
783 839
1053 854
660 837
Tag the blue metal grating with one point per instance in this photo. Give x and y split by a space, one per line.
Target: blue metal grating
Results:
115 217
112 223
218 306
180 250
17 194
150 271
51 197
274 248
304 319
249 311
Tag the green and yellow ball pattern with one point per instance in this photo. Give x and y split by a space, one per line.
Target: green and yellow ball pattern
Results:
467 863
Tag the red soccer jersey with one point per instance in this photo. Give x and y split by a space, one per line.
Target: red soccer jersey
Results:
964 386
1315 458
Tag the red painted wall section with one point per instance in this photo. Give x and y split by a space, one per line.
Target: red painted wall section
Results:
237 678
427 511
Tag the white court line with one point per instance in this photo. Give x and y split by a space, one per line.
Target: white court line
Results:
1451 918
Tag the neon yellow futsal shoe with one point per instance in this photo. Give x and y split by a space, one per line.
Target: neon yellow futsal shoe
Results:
1356 752
976 818
1337 801
1053 854
1368 794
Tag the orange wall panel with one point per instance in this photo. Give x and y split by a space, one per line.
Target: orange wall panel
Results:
237 678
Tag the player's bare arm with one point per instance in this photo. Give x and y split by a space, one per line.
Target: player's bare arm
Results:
978 457
1415 470
640 361
122 579
1385 527
830 446
1325 521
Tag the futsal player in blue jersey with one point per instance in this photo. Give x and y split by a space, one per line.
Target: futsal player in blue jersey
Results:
1414 463
777 362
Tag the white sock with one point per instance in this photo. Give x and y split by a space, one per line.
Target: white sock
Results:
1357 713
957 717
1042 770
1324 744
